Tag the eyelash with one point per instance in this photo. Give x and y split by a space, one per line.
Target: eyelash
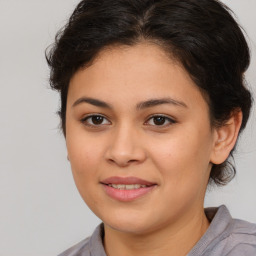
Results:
166 118
86 118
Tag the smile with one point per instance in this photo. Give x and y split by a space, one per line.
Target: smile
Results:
127 186
126 189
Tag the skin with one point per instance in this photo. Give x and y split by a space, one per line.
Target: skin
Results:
177 154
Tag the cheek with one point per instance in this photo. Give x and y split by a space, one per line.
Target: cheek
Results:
184 172
84 155
83 150
84 160
183 157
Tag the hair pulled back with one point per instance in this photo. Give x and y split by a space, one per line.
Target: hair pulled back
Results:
201 34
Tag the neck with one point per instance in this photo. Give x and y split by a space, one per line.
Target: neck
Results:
176 239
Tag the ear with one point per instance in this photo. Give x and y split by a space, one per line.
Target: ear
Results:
225 137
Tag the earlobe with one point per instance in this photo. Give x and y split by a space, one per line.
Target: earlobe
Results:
226 137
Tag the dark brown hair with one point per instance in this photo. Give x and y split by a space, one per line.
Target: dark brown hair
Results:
201 34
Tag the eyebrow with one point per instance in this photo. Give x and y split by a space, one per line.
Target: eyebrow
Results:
92 101
155 102
142 105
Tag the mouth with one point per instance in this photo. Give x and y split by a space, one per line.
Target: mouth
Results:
127 188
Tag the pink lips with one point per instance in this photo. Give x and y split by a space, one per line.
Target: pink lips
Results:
125 194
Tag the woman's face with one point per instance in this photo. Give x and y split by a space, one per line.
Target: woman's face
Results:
139 139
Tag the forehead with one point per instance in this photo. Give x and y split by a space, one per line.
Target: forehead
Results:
134 73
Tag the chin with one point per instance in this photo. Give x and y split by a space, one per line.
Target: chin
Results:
132 223
129 228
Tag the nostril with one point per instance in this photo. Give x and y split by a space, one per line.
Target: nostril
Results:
122 162
122 155
131 161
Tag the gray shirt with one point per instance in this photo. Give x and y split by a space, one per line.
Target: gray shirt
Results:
225 237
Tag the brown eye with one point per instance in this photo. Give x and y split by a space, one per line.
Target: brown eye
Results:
159 120
95 120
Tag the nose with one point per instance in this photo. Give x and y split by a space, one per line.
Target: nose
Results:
125 147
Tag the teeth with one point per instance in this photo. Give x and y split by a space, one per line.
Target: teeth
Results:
127 187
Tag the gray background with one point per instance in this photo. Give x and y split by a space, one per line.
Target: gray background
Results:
41 213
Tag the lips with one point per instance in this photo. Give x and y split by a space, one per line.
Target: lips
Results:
127 188
126 180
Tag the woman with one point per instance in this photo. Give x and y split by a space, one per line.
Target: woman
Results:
152 103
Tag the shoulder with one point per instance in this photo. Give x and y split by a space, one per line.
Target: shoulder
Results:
82 248
226 236
241 239
90 246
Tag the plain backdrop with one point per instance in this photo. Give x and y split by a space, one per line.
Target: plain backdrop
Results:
41 212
